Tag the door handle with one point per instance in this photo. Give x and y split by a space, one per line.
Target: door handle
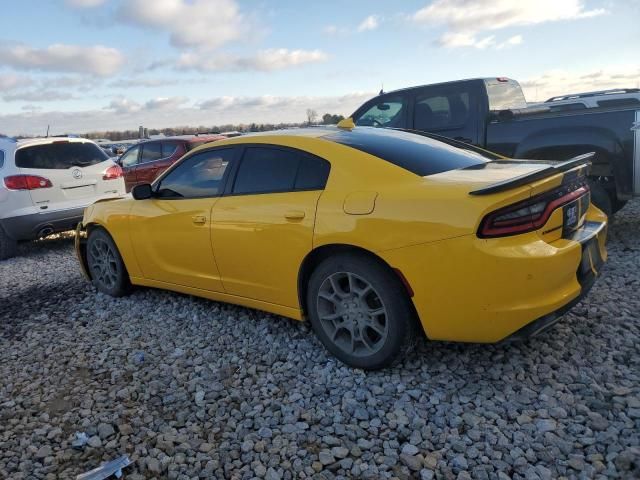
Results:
199 219
294 215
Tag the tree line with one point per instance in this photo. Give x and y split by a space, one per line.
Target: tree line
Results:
312 119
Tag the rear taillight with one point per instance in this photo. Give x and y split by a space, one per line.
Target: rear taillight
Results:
528 215
26 182
113 172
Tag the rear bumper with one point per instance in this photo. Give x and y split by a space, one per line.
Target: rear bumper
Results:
29 227
472 290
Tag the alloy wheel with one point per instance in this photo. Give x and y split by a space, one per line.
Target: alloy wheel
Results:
352 314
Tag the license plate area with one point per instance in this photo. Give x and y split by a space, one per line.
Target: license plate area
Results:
573 215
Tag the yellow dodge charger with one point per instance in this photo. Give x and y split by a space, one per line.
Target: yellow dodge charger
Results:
370 234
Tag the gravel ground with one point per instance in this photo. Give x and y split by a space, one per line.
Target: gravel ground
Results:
195 389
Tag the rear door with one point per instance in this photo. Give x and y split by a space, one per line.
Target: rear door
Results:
263 229
447 110
148 167
75 170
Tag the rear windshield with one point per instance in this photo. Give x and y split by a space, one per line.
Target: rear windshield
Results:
60 155
418 154
505 95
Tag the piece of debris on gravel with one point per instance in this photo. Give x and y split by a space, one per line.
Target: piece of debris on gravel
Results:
189 388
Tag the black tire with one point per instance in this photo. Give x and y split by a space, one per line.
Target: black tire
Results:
398 322
8 246
108 272
618 205
600 197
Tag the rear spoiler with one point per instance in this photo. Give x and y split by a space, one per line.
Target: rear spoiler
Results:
548 171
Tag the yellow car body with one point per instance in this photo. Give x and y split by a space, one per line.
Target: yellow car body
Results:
256 250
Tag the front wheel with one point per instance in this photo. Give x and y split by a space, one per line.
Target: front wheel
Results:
360 311
108 272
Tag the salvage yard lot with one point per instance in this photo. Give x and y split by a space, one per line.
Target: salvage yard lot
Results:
196 389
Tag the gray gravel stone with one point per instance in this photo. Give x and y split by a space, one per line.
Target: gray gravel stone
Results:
226 392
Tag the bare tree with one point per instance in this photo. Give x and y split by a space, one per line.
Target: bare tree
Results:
312 116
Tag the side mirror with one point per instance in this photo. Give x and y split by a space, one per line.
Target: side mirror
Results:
142 192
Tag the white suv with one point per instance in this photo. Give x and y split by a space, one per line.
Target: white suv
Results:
45 184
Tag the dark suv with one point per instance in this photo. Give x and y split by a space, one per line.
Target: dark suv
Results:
143 162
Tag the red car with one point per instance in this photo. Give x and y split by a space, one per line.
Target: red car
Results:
143 162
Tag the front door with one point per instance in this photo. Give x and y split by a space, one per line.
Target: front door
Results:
171 232
129 163
263 229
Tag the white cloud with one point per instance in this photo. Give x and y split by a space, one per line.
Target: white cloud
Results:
370 23
464 20
123 106
85 3
510 42
190 23
162 103
40 95
562 82
12 82
264 61
126 106
95 60
126 114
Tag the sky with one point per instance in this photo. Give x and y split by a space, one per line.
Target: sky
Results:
97 65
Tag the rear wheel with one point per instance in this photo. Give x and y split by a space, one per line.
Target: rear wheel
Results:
8 246
360 311
108 272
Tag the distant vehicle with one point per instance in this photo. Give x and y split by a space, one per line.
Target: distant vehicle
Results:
373 235
492 113
45 184
143 162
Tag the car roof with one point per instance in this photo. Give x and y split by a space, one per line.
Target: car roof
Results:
23 142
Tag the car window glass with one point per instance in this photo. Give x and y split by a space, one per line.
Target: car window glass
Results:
389 112
168 149
312 173
1 158
435 111
198 176
265 170
130 157
150 152
60 155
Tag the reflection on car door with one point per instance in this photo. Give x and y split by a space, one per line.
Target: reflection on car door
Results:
262 231
171 231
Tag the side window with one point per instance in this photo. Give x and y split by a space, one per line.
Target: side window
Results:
388 112
130 157
168 149
151 151
312 173
443 110
265 170
1 158
198 176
